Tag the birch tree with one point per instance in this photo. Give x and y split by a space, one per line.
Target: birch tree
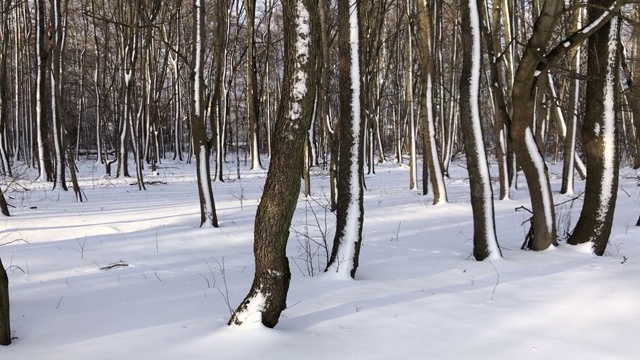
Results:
350 211
268 294
485 242
599 134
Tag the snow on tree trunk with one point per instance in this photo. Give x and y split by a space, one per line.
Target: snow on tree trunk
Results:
431 158
348 238
41 123
198 131
268 294
599 132
413 162
485 242
56 94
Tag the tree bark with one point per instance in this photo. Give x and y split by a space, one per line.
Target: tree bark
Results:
253 109
431 158
599 133
485 242
526 150
268 294
198 131
5 326
350 212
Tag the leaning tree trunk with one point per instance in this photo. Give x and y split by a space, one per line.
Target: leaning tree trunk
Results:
267 298
485 242
599 133
5 328
524 144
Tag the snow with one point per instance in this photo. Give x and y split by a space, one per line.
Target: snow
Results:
252 315
205 189
602 17
609 123
494 251
434 151
417 295
532 148
299 87
346 253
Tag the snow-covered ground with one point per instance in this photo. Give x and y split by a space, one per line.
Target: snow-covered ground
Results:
418 293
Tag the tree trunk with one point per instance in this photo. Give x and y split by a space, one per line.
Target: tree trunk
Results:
56 95
599 133
350 211
431 158
198 131
485 242
268 294
524 145
252 87
572 114
44 156
4 208
5 326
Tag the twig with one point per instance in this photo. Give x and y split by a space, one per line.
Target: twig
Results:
114 265
497 279
59 302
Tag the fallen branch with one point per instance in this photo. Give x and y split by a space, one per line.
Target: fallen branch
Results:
116 265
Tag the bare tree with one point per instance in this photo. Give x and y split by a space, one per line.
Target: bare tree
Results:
56 46
252 86
485 242
42 129
431 158
201 147
600 134
350 210
268 294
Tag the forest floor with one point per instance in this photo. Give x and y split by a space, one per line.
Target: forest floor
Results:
129 274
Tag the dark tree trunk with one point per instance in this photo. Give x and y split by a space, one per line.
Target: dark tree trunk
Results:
485 243
268 294
432 169
349 212
4 208
599 134
253 109
198 131
524 145
5 328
